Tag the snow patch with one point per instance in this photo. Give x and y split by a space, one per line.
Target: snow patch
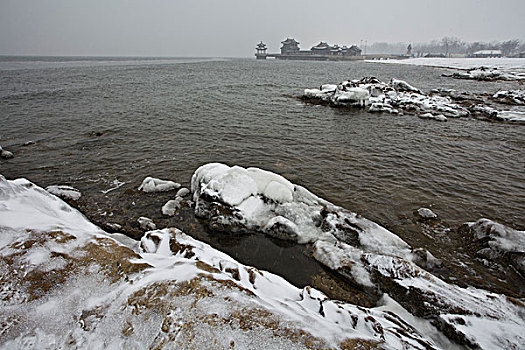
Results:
151 184
66 192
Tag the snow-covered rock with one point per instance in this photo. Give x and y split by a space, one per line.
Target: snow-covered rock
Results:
485 74
5 153
482 111
362 252
469 316
438 117
511 116
146 223
67 284
426 116
182 192
151 184
401 85
510 96
113 226
496 242
66 192
171 206
395 97
382 107
425 213
351 96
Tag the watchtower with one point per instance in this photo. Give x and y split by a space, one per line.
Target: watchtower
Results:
261 51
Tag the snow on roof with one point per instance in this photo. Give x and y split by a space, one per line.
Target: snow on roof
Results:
488 52
290 41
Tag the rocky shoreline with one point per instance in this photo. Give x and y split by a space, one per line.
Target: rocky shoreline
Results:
363 261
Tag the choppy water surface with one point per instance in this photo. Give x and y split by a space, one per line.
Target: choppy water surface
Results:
97 121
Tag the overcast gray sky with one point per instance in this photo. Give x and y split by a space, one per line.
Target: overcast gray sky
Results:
231 28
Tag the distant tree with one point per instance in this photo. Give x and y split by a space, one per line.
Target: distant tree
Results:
452 45
509 46
476 46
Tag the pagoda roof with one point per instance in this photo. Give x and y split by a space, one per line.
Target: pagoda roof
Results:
321 46
290 41
261 45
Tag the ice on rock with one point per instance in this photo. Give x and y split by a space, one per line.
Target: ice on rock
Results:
382 107
272 186
109 284
426 116
511 116
66 192
440 118
396 97
182 192
171 206
502 238
268 202
351 96
425 213
232 186
5 153
401 85
510 96
485 74
151 184
146 224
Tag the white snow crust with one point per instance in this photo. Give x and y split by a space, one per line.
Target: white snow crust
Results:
365 253
502 238
63 191
426 213
394 97
151 184
144 308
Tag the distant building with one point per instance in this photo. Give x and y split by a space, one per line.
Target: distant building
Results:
261 51
487 53
352 51
323 51
290 47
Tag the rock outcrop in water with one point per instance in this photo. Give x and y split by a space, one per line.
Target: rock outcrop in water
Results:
395 97
512 97
65 283
495 242
65 192
151 184
485 74
5 154
399 97
362 252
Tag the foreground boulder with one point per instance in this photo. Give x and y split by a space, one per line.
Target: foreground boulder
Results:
65 283
360 251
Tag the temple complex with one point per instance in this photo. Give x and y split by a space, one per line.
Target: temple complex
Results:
321 52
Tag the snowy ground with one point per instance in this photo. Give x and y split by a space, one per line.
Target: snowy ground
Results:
506 64
65 283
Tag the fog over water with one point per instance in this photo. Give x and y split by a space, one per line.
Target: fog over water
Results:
230 28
